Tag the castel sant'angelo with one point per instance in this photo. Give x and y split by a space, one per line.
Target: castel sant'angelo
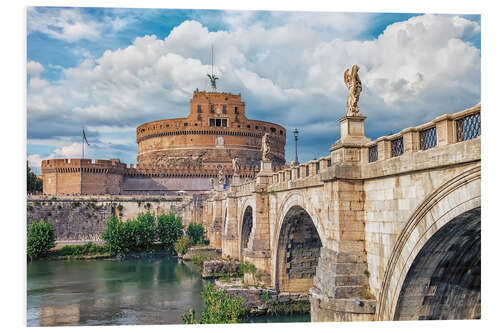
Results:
188 154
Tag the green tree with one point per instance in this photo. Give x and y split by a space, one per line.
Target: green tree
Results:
195 231
220 308
169 230
33 183
145 231
40 239
113 236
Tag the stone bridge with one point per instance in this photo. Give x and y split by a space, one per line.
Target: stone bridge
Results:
377 230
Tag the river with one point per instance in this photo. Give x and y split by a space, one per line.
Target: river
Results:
151 291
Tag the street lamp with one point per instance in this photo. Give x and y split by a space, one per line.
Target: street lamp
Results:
296 136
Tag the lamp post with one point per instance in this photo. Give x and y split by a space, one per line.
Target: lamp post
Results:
296 136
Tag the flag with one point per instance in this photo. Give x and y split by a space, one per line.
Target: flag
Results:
84 137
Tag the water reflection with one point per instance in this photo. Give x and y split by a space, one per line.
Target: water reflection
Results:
110 292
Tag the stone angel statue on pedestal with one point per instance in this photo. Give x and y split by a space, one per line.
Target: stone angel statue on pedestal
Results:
236 166
220 174
353 84
266 148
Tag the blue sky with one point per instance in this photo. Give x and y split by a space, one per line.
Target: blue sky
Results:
111 69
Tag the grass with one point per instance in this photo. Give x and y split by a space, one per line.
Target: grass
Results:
79 251
286 308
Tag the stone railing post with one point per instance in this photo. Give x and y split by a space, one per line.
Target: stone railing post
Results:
410 139
445 130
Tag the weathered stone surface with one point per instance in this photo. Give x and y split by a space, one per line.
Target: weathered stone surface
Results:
218 268
82 218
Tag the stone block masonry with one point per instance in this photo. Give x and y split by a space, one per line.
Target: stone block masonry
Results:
79 219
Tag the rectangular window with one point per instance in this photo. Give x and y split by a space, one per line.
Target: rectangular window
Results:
428 138
372 154
236 110
218 122
224 110
199 108
397 147
468 127
212 110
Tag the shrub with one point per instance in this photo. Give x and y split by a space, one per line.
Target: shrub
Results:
113 236
265 296
220 308
146 231
247 267
130 236
195 232
182 245
147 206
75 204
40 239
169 230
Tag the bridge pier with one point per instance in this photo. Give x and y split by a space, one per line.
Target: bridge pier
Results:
341 290
215 229
230 246
258 251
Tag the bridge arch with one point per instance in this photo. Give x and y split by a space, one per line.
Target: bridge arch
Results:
247 226
245 205
295 198
428 246
297 244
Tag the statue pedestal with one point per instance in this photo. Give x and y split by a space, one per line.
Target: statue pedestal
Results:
352 140
352 132
352 126
236 180
266 168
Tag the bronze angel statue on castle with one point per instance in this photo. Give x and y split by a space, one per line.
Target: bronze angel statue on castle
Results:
353 84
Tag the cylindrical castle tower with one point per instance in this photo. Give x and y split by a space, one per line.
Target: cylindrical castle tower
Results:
216 131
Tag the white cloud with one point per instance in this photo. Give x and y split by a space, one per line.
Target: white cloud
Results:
290 72
34 160
68 24
34 68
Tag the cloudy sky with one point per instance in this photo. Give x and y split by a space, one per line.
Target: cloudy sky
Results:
111 70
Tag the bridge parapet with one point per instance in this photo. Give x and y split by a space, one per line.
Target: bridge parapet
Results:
444 130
